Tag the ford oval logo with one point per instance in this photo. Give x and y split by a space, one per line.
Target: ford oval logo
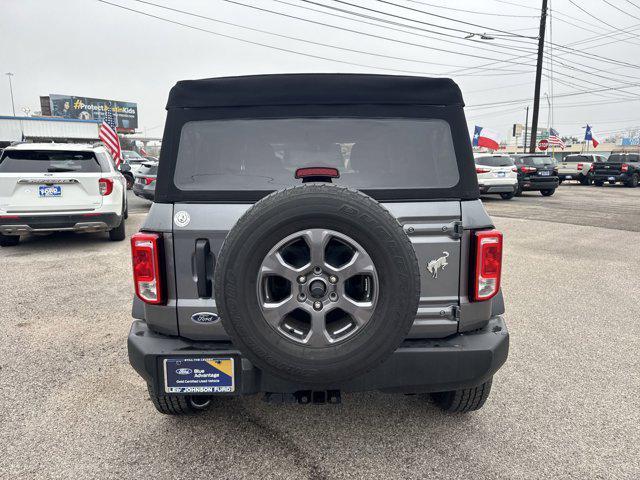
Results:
205 317
184 371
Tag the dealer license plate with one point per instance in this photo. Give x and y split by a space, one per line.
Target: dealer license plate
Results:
49 190
611 178
544 173
568 177
199 375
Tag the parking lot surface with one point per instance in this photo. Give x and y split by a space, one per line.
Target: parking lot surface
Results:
565 405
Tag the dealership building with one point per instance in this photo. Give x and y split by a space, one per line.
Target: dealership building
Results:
47 129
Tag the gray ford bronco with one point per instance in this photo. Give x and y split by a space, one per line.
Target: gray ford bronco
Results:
314 234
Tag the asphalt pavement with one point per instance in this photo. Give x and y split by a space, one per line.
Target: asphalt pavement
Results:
565 405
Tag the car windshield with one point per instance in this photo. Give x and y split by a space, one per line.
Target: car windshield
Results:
620 158
536 161
263 154
494 161
48 161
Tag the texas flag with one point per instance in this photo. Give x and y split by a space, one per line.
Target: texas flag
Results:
588 137
486 138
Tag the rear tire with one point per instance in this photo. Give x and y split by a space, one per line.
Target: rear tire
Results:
585 180
518 191
633 183
9 240
508 196
548 193
178 404
465 400
598 183
118 234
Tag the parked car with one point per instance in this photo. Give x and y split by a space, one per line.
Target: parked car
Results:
619 167
281 266
145 184
133 159
536 173
47 187
578 167
497 174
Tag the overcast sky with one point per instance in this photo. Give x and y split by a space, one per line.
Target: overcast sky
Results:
88 48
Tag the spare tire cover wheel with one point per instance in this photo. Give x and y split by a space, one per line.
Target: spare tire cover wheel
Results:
317 284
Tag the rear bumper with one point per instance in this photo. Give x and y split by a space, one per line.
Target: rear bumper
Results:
511 188
603 177
92 222
417 366
143 191
540 184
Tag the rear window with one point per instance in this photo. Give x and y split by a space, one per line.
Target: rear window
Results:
619 158
263 154
537 161
131 156
45 161
576 159
494 161
148 169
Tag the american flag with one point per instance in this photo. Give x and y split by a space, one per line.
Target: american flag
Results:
107 133
554 138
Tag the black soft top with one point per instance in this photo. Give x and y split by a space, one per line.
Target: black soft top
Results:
314 89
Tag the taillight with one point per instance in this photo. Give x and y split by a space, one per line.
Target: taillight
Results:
148 181
482 170
105 185
514 169
624 167
580 165
593 167
147 278
526 169
488 265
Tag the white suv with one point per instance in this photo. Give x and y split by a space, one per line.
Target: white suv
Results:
48 187
497 174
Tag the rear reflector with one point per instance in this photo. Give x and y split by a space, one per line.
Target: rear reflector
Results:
105 186
317 172
488 265
145 253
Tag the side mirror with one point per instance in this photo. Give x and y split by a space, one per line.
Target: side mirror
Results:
124 167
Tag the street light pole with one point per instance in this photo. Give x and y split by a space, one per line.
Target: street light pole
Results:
13 107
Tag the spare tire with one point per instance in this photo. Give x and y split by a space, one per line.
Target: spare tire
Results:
317 284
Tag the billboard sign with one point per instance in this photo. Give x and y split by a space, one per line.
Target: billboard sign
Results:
86 108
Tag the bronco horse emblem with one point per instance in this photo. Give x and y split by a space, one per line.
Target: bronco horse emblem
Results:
438 263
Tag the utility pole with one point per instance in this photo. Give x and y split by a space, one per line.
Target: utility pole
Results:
526 127
13 107
536 95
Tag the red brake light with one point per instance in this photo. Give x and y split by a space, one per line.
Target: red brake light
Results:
514 169
526 169
148 181
624 168
145 254
488 265
105 185
482 170
580 165
593 167
317 172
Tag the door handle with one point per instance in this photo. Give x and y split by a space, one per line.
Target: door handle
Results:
204 268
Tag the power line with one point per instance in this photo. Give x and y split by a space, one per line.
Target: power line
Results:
288 37
450 19
475 12
251 42
620 10
384 20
